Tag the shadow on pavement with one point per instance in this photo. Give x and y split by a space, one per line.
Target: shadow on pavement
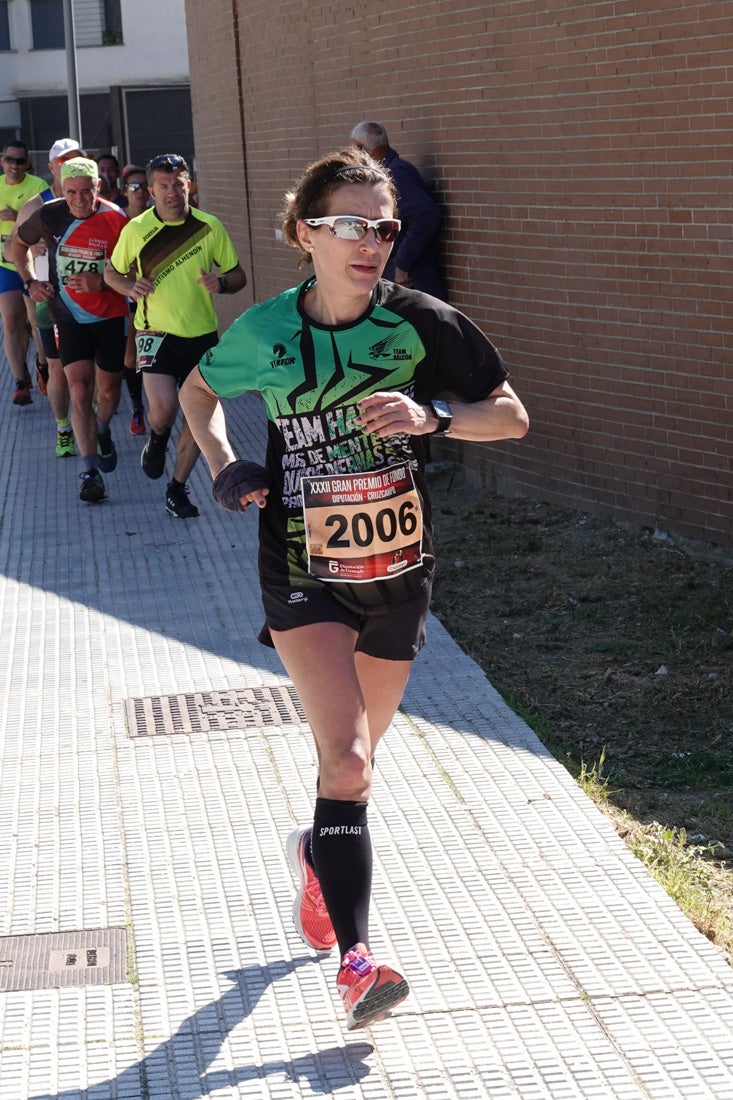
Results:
196 1045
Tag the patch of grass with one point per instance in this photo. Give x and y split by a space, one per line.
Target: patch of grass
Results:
682 869
614 648
692 769
593 781
721 806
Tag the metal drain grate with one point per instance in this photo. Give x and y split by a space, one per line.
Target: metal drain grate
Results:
53 960
206 711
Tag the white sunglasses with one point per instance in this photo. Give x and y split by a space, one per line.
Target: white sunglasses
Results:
349 227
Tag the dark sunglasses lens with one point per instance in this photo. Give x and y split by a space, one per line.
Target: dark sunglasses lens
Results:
387 231
15 160
134 186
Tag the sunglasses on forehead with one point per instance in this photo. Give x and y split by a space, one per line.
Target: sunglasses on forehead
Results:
167 162
348 227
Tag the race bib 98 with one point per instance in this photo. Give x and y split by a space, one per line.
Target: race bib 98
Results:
147 346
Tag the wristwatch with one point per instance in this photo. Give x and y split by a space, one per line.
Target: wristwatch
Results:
442 412
27 284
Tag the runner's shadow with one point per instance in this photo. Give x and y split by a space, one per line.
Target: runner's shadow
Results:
179 1065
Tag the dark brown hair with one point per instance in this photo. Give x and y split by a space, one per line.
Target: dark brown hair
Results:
310 195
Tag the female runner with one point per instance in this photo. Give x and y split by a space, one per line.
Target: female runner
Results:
355 373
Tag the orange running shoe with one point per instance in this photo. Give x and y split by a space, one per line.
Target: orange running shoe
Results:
310 916
41 375
369 991
21 394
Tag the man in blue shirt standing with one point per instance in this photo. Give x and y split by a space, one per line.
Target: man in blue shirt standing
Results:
415 260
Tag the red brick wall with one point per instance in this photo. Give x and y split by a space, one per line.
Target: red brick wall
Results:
582 155
221 171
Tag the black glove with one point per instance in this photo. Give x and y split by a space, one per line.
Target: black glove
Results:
236 480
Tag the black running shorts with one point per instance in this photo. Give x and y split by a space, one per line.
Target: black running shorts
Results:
102 342
178 355
48 341
397 634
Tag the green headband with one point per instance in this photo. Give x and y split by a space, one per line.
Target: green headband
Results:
79 167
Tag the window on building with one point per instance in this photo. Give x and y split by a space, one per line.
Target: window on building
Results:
95 23
43 118
158 119
47 21
112 34
4 26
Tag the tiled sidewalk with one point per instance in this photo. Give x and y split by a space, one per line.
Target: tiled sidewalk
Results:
543 960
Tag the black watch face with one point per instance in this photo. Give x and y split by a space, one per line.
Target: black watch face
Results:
444 416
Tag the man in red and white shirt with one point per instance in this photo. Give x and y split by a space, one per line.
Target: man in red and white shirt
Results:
80 231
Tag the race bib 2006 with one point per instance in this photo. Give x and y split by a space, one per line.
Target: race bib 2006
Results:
362 527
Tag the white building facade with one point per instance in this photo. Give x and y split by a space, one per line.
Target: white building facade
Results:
132 75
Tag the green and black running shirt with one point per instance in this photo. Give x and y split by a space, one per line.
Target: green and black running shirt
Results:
311 377
172 254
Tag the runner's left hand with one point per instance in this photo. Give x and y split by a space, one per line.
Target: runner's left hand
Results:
386 414
88 283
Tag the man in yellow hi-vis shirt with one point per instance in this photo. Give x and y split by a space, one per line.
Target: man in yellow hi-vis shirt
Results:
16 186
163 260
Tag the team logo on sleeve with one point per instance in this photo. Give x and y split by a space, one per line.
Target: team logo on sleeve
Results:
281 360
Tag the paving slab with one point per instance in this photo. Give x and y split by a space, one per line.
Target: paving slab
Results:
543 960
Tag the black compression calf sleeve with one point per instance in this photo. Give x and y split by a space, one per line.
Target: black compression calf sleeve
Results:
134 380
342 857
